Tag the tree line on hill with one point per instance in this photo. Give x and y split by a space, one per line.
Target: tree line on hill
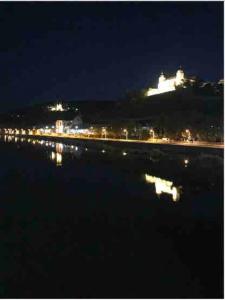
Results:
197 108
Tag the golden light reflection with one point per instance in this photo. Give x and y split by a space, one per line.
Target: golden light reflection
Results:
164 186
53 155
186 162
59 147
57 158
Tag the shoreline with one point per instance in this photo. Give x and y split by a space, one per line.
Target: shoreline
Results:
133 144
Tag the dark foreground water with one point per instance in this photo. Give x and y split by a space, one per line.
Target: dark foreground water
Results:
81 222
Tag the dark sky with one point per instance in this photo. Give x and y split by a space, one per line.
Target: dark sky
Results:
99 50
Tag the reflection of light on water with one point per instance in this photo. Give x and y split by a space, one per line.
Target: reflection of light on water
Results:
56 157
53 155
164 186
186 161
59 147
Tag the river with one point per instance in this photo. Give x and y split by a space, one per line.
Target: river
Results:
97 222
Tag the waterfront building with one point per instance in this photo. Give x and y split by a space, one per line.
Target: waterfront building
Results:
70 126
59 128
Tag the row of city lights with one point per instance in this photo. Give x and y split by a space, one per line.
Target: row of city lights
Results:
104 132
59 147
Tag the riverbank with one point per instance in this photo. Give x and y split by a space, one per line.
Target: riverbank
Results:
142 146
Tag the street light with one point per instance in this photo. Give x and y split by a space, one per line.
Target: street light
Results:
126 133
152 132
188 134
104 132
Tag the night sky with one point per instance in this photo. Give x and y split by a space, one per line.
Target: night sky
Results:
98 50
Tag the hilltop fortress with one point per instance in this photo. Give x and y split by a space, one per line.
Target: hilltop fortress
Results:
169 84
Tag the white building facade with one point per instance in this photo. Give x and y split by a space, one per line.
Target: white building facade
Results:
168 84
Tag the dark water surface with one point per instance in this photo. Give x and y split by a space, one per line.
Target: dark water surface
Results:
80 222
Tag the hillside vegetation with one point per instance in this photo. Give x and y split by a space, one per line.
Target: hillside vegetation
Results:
169 114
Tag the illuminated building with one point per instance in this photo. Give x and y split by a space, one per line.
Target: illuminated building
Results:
59 126
71 126
168 84
57 107
164 186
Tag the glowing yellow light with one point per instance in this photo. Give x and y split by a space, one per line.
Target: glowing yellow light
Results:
186 161
163 186
124 153
53 155
59 147
58 159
